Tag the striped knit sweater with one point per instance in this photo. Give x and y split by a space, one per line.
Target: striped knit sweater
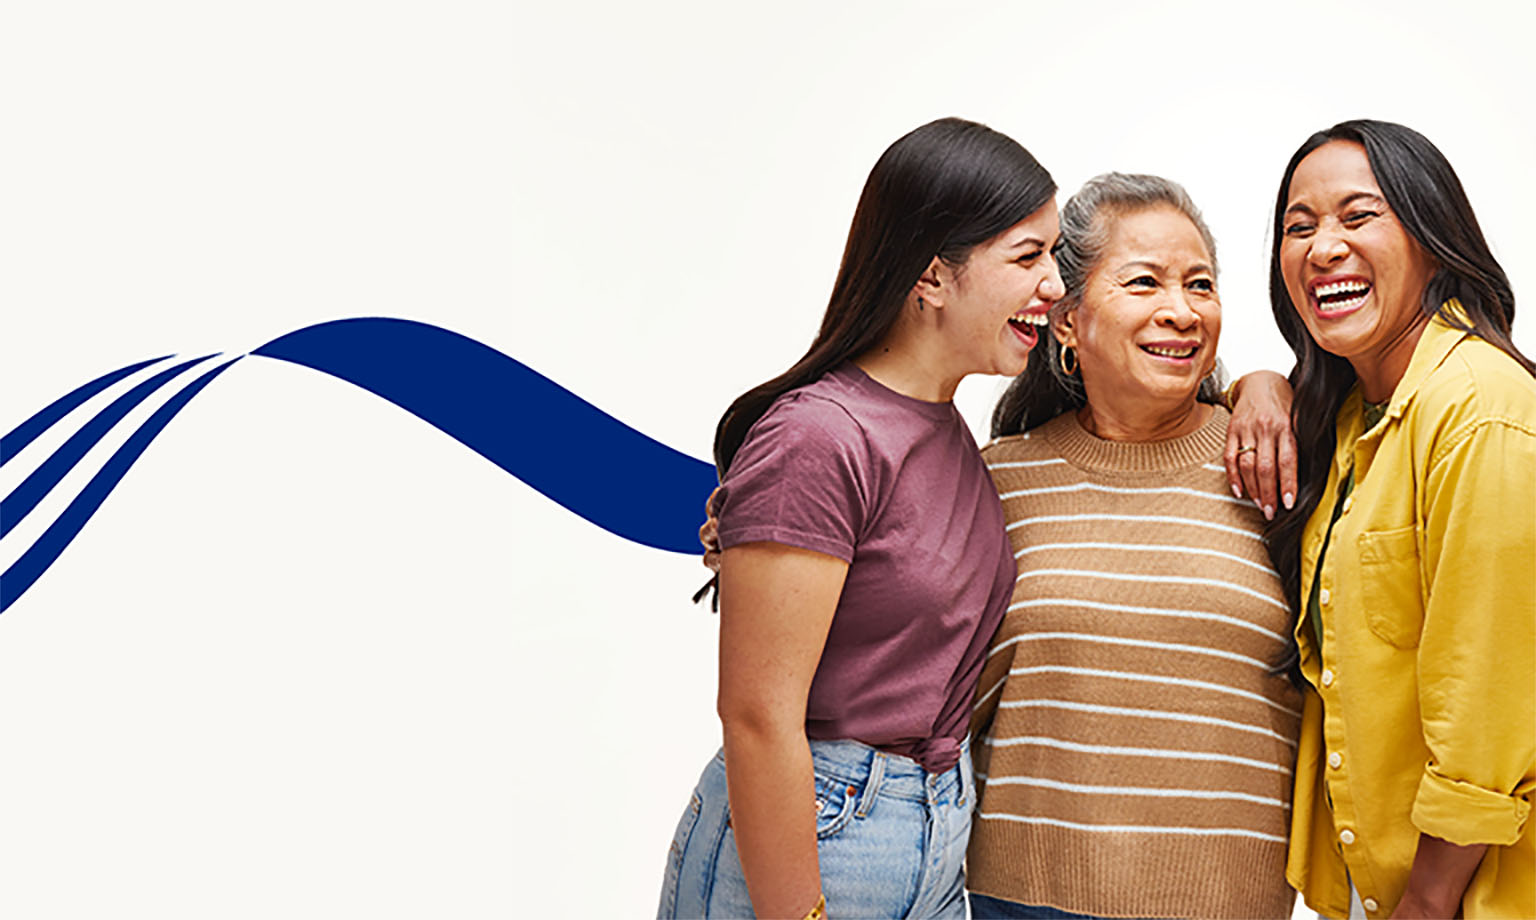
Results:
1137 755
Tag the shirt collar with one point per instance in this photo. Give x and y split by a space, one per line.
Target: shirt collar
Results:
1434 346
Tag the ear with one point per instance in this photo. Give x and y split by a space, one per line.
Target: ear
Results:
1064 328
934 284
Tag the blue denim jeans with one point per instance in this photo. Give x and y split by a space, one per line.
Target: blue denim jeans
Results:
986 908
890 839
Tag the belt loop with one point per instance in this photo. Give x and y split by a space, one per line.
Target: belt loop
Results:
872 786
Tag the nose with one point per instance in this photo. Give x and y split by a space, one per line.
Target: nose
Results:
1051 286
1176 312
1327 247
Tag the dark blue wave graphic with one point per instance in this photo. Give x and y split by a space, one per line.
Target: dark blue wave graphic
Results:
520 420
27 431
15 580
21 501
525 423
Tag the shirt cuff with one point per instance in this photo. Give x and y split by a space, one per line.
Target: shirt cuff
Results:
1464 814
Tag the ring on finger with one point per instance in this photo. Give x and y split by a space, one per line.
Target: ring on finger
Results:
1244 450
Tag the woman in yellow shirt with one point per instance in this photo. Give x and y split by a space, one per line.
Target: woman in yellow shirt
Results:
1412 546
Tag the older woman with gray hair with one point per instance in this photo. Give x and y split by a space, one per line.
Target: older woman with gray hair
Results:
1138 739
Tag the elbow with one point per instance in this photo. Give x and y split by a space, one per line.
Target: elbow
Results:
753 719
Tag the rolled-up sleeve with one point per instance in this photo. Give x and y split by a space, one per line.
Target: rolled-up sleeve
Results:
1477 650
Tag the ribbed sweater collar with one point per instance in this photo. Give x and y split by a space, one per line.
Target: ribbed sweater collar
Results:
1084 450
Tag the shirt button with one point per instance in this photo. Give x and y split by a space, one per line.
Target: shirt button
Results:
1370 904
1327 678
1323 596
1346 836
1350 500
1335 760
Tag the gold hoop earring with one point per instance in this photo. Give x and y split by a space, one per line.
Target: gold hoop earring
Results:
1067 350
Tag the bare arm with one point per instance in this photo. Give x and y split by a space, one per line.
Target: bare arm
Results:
1440 875
1261 420
776 608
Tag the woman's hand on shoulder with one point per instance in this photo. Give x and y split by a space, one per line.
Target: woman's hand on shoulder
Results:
1261 448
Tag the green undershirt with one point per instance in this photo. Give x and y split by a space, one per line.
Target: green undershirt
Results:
1373 414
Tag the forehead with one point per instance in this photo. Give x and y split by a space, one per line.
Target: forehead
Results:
1160 234
1041 225
1332 171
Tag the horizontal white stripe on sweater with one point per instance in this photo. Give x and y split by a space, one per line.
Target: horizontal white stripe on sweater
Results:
1136 643
1155 579
1146 714
1149 611
1024 464
1152 679
1149 518
1213 466
1128 490
1147 791
1160 753
1149 548
1131 828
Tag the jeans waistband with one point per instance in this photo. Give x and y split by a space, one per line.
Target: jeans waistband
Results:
892 774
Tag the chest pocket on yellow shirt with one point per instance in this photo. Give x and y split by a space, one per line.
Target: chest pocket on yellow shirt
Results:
1389 572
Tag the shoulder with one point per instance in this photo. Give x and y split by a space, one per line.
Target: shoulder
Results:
1477 386
1016 448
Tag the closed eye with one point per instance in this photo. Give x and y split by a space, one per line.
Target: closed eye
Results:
1029 257
1356 218
1299 228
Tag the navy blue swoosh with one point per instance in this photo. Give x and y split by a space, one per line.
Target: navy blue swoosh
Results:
520 420
27 431
15 580
17 505
525 423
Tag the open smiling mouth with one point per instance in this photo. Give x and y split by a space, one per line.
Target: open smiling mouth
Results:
1166 351
1340 296
1024 321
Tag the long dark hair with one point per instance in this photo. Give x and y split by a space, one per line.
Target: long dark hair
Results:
939 191
1044 390
1426 196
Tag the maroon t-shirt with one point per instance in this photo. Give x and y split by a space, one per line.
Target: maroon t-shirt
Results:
895 487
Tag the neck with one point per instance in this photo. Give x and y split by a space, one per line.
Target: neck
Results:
1119 422
1381 370
911 365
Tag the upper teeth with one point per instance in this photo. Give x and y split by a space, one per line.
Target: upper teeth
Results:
1342 287
1034 319
1170 352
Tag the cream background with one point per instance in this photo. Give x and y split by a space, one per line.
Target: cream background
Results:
313 657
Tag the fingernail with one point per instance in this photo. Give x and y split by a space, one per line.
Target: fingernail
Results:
1237 491
1290 500
1269 512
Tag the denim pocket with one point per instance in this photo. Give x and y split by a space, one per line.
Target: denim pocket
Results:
836 802
685 827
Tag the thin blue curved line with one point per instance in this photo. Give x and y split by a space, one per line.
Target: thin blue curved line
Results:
15 580
525 423
21 501
25 433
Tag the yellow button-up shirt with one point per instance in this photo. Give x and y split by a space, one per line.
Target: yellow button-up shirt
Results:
1424 715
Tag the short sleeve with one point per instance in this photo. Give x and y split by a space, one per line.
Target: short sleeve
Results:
799 479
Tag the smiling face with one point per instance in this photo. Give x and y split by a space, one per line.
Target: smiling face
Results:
995 305
1149 319
1353 273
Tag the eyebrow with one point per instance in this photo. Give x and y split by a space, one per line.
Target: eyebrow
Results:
1344 203
1025 241
1142 263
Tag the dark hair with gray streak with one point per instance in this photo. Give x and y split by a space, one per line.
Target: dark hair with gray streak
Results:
1043 391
